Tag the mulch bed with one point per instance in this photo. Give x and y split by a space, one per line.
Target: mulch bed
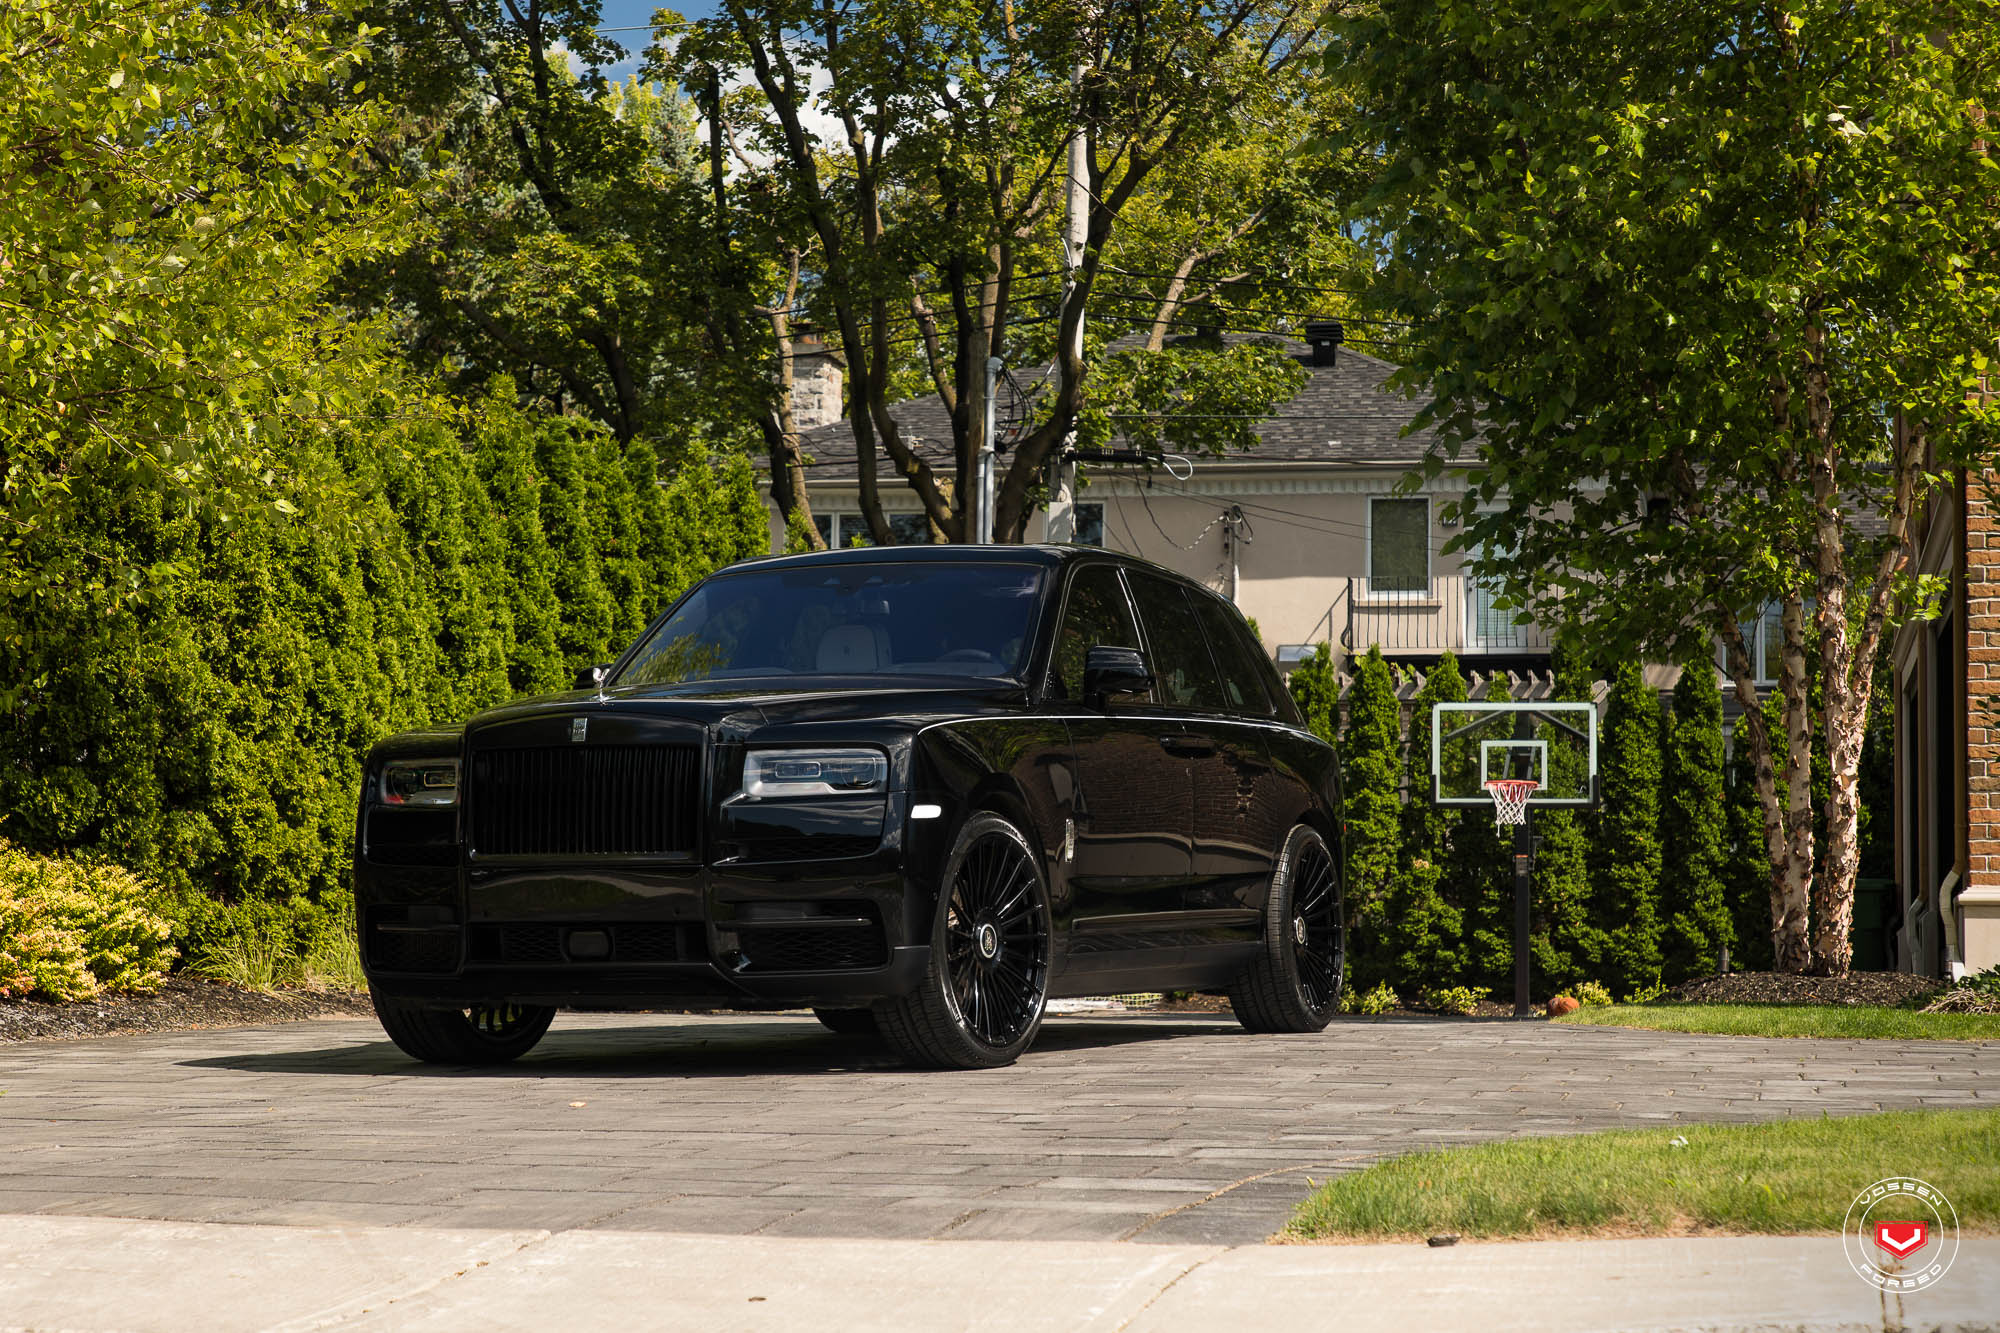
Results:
1885 988
183 1002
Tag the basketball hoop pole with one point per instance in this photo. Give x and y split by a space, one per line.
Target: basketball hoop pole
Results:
1524 854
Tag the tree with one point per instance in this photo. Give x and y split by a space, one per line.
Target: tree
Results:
930 217
1479 880
1566 938
1370 746
1746 874
1422 946
165 244
1703 287
1694 822
1625 842
1315 687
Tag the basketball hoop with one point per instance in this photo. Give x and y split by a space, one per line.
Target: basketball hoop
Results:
1510 798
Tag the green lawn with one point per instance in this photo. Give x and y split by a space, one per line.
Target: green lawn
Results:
1785 1178
1794 1020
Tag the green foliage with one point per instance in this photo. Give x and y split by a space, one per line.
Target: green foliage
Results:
1479 878
1590 994
1315 687
1564 936
1625 848
1454 999
1421 942
210 735
1667 283
1380 1000
1694 822
1647 994
1370 754
1746 871
71 927
163 251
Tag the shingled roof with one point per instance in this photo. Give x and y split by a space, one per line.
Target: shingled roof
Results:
1344 414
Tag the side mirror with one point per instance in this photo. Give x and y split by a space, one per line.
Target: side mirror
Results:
592 676
1108 671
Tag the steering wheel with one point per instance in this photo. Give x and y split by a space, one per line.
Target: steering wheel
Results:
967 655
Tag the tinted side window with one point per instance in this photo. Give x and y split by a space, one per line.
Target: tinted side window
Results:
1181 664
1095 613
1239 660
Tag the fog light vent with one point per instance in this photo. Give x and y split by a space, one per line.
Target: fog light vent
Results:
581 944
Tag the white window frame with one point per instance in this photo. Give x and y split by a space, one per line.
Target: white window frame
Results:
1423 594
1755 638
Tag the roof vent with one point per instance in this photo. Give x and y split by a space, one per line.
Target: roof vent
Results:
1325 336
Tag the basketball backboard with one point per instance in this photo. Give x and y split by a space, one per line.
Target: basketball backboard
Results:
1553 745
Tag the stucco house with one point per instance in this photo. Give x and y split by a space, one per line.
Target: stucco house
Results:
1306 531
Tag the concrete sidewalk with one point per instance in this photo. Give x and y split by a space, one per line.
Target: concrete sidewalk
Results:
82 1273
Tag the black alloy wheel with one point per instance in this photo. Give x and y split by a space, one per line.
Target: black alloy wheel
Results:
982 999
1295 984
480 1034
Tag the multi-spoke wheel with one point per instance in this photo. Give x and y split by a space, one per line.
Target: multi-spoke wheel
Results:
1294 986
480 1034
981 1001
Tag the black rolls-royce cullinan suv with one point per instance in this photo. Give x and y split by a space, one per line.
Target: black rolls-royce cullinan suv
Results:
921 790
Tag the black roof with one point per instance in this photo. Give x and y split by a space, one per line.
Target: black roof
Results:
1047 556
1343 414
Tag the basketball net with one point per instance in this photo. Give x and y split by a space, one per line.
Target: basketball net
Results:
1510 798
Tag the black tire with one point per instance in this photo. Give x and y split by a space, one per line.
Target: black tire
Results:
849 1022
1294 986
483 1034
982 998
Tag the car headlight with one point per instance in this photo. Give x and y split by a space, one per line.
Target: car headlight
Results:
774 775
420 782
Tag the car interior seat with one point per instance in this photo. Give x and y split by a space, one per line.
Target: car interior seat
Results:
853 649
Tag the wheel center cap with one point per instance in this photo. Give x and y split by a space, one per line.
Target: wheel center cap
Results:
988 940
1299 929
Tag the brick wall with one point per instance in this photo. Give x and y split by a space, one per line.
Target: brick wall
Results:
1982 679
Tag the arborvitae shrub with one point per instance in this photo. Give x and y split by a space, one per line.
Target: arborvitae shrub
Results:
1746 874
1566 940
1694 822
1370 748
1625 860
1315 687
1421 932
1479 879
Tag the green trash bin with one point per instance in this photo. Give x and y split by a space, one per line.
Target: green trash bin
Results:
1873 902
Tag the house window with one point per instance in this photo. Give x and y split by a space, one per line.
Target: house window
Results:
1765 638
840 530
1399 546
1090 523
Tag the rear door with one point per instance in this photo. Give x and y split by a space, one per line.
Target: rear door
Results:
1226 760
1131 843
1239 828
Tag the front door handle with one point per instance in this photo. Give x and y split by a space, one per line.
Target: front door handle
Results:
1191 746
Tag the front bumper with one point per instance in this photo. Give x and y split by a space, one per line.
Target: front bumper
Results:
834 932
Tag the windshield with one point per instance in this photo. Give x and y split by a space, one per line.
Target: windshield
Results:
931 619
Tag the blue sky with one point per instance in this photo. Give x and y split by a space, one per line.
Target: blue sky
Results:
638 14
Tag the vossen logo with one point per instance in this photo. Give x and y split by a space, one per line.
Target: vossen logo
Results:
1901 1234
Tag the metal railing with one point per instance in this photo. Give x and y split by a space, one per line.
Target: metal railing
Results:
1452 613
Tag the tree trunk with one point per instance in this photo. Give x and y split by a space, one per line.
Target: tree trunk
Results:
1792 882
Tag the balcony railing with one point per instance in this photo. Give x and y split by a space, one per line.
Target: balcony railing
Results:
1453 614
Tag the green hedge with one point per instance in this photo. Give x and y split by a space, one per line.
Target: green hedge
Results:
1429 892
209 731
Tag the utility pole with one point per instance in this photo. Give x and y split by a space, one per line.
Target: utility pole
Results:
1062 468
982 528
